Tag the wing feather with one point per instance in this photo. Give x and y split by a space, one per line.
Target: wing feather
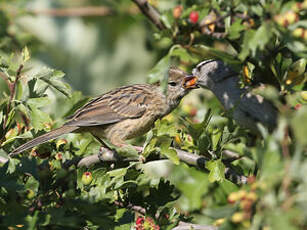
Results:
114 106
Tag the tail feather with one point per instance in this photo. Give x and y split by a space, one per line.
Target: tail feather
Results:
44 138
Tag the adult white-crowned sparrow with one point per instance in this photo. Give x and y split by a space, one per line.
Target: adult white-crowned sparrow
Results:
247 109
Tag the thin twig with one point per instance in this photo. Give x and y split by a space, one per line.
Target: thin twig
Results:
132 207
189 158
189 226
150 12
286 182
12 88
74 12
220 18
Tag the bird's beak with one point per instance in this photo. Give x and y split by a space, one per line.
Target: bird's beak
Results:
190 82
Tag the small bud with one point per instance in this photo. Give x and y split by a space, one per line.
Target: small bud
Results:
242 194
61 142
219 222
251 179
246 205
298 32
59 156
291 17
47 126
297 106
237 217
252 196
233 197
30 194
87 178
10 134
304 95
178 139
177 11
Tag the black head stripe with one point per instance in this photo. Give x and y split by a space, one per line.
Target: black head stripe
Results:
200 65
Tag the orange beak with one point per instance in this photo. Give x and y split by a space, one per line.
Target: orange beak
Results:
190 82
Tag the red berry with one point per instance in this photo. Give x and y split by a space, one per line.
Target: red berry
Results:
193 17
297 106
139 220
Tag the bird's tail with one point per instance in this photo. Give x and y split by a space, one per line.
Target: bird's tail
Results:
44 138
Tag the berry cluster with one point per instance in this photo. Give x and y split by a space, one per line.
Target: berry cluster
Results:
147 223
246 200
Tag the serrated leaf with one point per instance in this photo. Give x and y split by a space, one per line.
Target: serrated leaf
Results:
38 102
165 129
235 29
248 35
215 138
217 170
160 70
183 54
256 39
127 151
170 153
25 54
51 77
38 118
117 172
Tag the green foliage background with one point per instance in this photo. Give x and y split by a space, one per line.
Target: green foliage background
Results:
263 40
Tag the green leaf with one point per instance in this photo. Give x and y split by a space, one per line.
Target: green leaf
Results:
246 44
169 152
300 131
38 102
166 129
160 70
51 77
216 138
261 37
235 29
38 118
25 54
117 172
127 151
183 54
217 170
192 183
256 39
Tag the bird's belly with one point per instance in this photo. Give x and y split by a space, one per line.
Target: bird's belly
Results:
130 128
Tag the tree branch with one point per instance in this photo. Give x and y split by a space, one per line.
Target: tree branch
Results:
247 109
74 12
106 155
150 12
132 207
188 226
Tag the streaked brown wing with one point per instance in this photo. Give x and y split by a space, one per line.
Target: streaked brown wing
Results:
119 104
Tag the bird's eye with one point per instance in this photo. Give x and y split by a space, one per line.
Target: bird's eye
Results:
172 83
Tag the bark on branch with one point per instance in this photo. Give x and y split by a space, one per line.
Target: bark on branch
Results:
74 12
192 159
150 12
188 226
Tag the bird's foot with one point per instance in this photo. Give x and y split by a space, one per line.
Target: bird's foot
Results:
106 154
